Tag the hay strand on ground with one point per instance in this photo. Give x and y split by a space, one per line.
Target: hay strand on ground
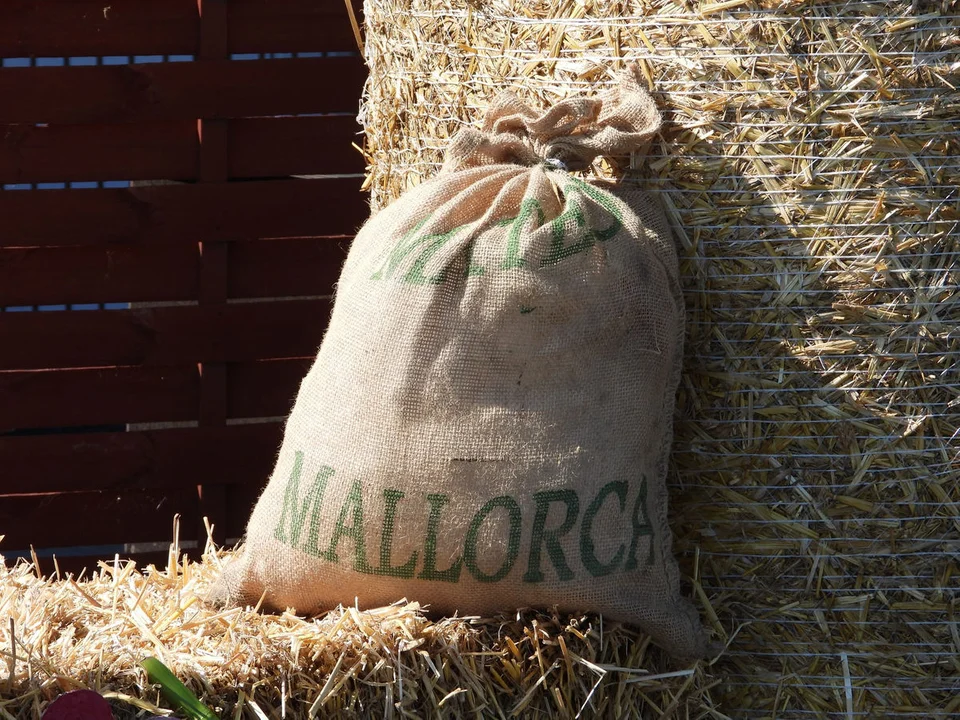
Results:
393 662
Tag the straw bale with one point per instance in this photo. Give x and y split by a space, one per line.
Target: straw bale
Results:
811 168
60 634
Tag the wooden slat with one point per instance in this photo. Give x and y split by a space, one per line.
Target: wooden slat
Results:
155 273
67 153
162 336
264 389
98 274
167 27
155 459
105 396
115 396
87 518
182 213
272 147
211 89
214 168
291 26
87 28
241 500
261 147
278 268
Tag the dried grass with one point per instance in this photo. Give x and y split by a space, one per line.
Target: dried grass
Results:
811 167
63 634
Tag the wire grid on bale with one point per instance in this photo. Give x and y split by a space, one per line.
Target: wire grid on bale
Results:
64 634
811 166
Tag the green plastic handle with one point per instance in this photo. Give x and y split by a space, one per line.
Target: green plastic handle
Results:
175 691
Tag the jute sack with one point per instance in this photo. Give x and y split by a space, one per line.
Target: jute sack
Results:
487 423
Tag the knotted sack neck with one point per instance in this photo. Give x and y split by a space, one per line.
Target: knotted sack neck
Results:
571 134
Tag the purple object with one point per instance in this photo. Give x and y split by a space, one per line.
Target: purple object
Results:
79 705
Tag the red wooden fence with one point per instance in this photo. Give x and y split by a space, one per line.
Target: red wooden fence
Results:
237 261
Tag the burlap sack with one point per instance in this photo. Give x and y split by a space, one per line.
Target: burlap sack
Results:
487 423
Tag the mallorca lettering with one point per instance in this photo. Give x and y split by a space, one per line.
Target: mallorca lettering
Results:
559 549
